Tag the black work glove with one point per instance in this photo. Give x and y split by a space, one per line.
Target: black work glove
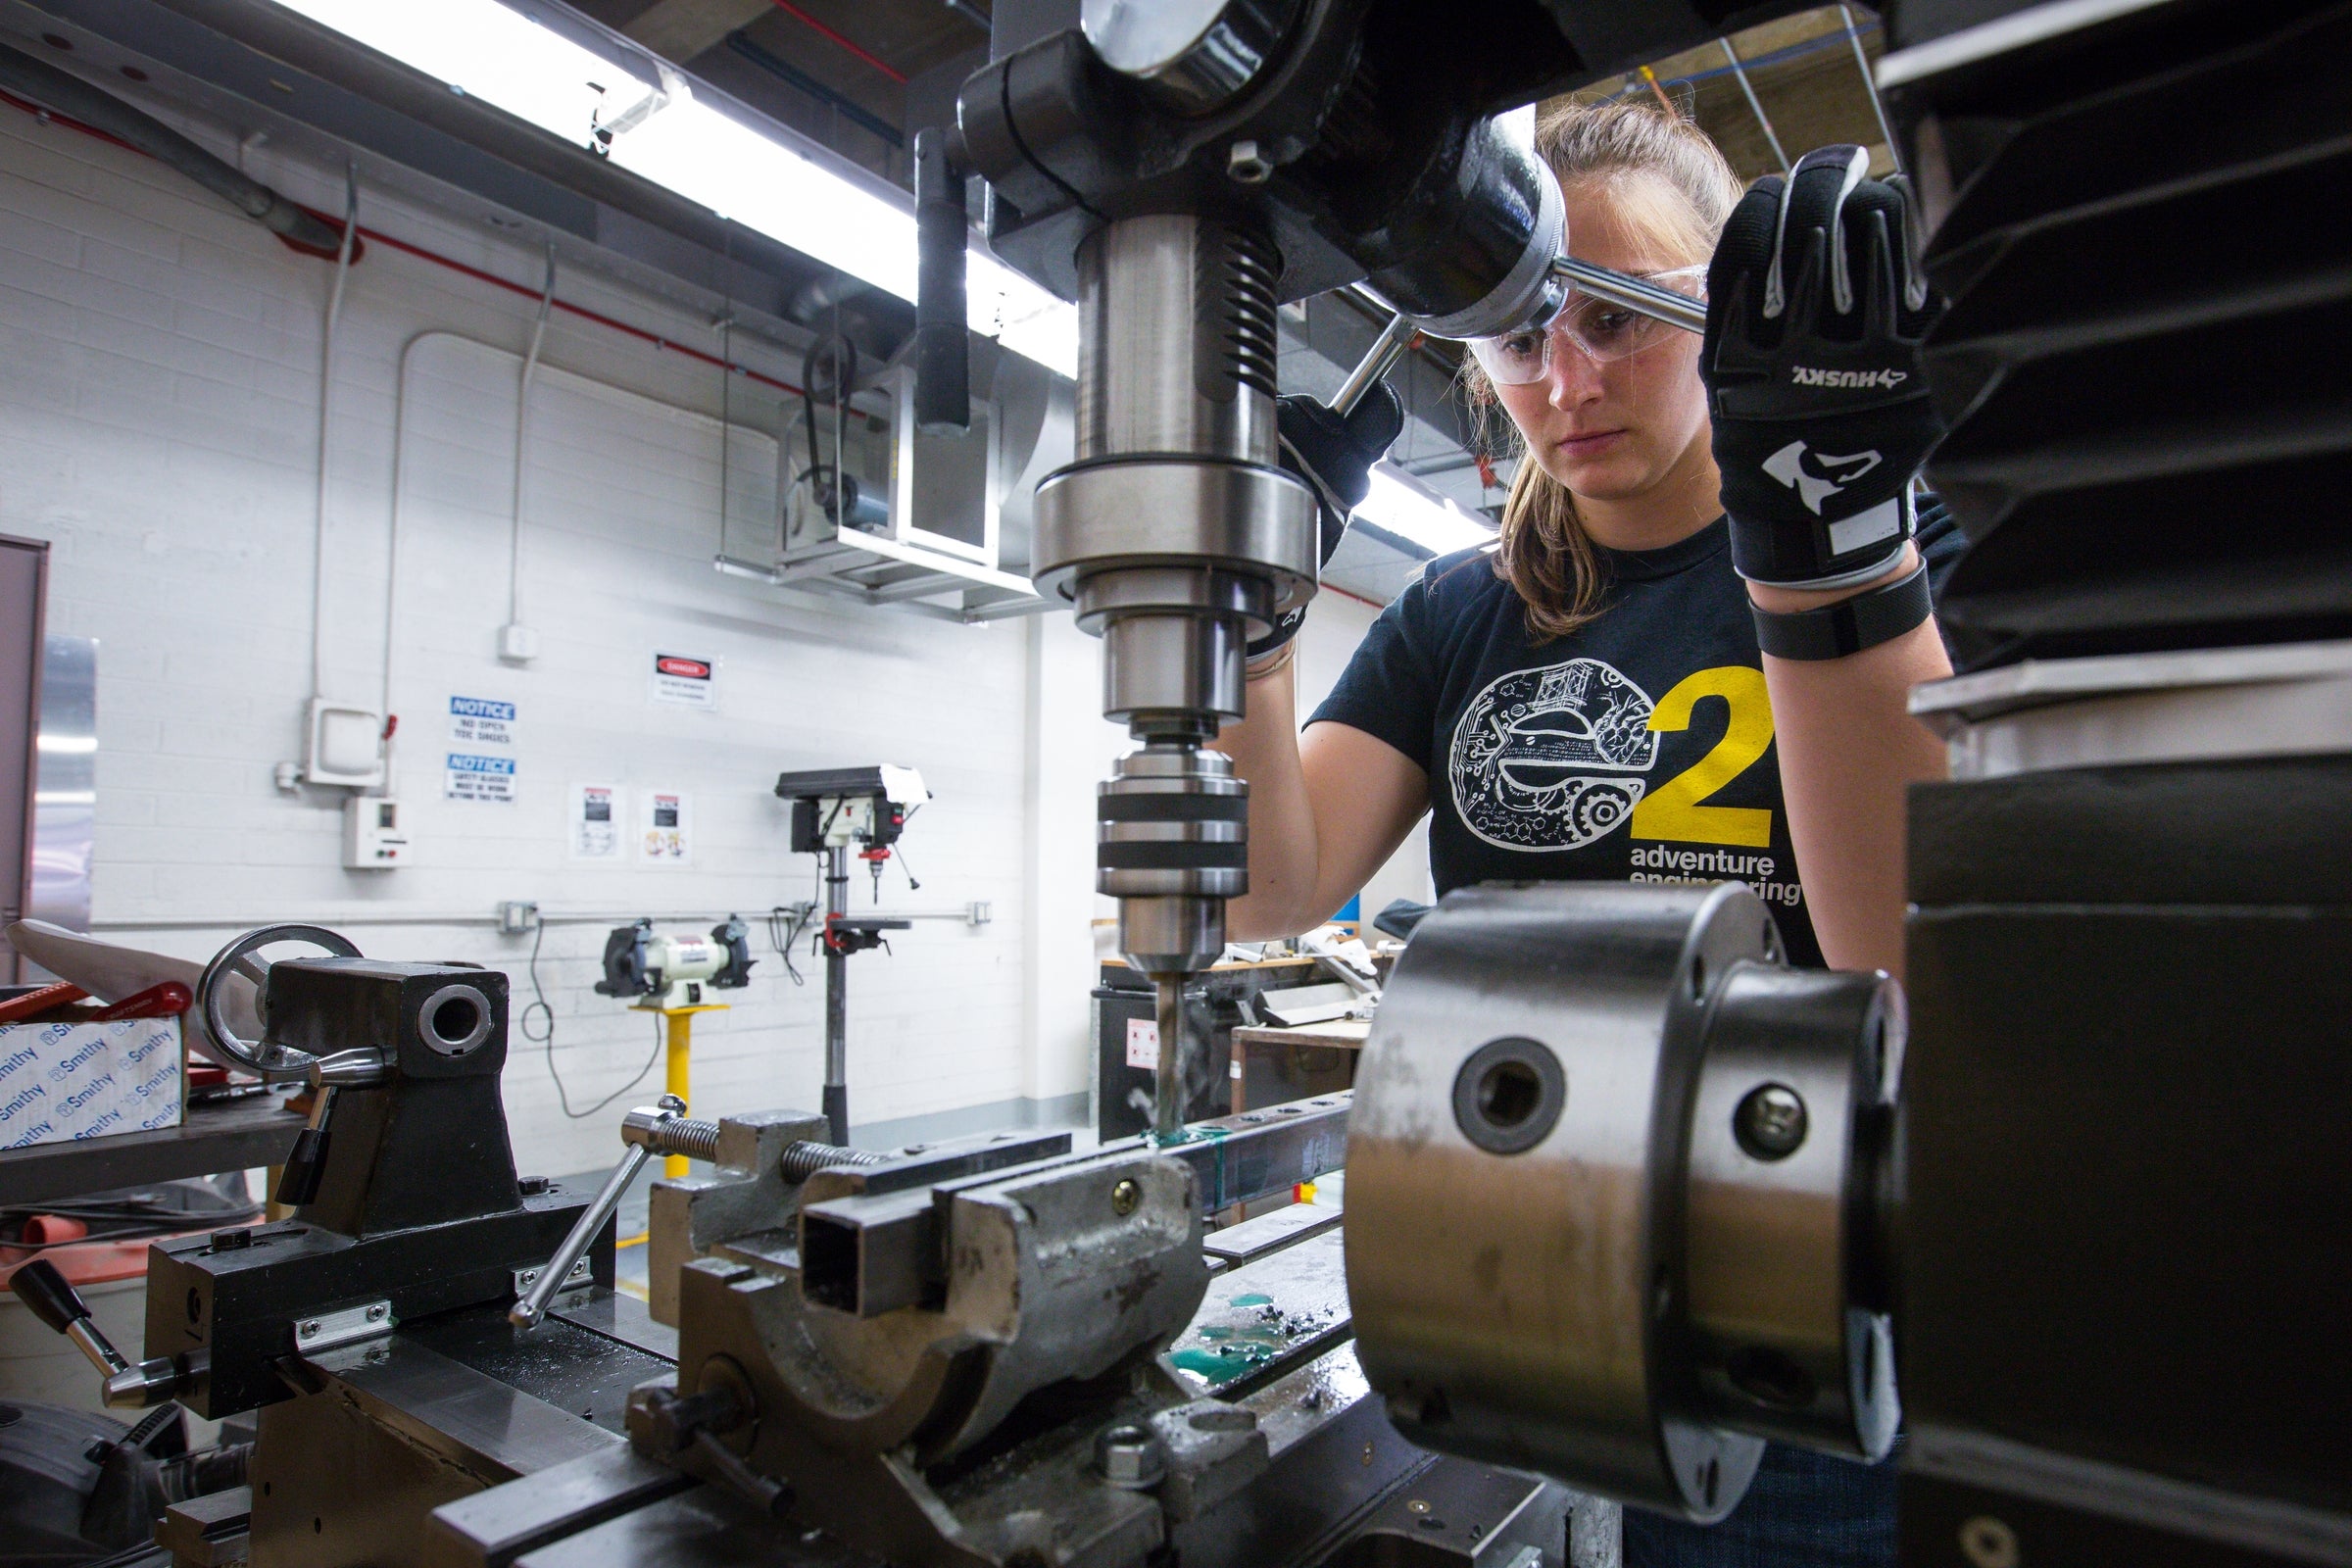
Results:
1333 453
1815 316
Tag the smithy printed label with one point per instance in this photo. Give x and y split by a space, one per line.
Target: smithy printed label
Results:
61 1081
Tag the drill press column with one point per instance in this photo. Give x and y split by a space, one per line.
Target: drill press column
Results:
1177 538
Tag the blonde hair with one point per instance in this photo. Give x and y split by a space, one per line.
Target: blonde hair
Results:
1631 149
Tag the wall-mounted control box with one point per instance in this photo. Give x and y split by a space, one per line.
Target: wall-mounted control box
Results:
373 836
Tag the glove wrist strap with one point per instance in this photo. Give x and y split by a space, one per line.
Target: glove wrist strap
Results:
1848 626
1791 554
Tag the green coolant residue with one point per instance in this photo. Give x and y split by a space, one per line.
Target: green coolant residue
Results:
1232 1359
1252 1299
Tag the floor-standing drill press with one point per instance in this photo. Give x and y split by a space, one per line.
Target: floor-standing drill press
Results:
834 810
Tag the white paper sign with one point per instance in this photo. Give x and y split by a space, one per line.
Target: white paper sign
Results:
594 828
1143 1044
665 827
684 681
482 724
470 777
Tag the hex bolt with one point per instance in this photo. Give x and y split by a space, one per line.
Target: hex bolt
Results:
1988 1543
1125 1196
375 1313
1129 1456
311 1327
1770 1122
1246 166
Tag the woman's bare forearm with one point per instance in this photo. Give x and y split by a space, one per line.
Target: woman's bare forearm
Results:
1264 748
1849 750
1326 811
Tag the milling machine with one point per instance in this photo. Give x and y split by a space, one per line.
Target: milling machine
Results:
1626 1194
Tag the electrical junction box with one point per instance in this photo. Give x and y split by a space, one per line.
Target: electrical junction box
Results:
345 745
374 839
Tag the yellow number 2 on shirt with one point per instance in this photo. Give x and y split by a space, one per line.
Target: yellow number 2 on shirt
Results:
1675 810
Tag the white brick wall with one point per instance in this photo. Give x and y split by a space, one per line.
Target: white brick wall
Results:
158 423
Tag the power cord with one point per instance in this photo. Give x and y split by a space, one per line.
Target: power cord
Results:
547 1037
785 923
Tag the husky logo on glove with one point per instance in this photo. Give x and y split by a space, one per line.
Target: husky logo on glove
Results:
1814 375
1788 466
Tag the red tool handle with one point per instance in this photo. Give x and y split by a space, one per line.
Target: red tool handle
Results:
33 1002
167 999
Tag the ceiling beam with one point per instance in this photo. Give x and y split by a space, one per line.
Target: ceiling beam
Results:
679 29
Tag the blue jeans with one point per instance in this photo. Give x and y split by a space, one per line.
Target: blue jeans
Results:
1805 1510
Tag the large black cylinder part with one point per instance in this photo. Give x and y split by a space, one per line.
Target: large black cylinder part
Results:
2125 1246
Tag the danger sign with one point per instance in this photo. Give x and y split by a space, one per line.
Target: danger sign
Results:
684 681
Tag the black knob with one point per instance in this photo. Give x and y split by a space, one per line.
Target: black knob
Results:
298 1179
39 1286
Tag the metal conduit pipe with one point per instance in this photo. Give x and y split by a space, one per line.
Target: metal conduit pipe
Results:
68 94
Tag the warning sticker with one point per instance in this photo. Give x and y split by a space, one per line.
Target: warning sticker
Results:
468 777
665 827
1143 1042
685 682
594 825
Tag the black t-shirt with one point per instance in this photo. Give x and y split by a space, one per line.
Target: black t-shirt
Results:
1638 748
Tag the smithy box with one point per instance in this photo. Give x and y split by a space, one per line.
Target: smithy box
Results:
65 1080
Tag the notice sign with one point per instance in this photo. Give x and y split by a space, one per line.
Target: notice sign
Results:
468 777
594 825
685 682
666 834
1143 1044
482 724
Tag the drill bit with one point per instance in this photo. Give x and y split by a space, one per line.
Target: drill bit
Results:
1168 1081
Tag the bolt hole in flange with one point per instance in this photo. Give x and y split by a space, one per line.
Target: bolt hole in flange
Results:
1510 1094
454 1020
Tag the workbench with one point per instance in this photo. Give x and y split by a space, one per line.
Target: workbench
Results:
1275 1063
219 1135
1123 997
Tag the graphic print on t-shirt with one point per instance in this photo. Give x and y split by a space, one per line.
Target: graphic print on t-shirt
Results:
1553 759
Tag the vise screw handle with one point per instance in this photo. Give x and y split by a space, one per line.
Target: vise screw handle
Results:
649 1130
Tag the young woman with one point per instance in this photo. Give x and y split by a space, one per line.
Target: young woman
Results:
1589 699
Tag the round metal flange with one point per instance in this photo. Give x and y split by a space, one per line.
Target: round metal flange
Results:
454 1020
1520 1304
1224 517
1609 1173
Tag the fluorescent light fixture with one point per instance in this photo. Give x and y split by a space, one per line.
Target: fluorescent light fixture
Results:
1407 509
69 745
486 50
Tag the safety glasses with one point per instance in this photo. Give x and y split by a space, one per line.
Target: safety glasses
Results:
1600 329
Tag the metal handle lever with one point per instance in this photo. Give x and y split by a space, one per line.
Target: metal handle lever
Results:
306 1163
1634 294
649 1130
53 1299
55 1302
1385 350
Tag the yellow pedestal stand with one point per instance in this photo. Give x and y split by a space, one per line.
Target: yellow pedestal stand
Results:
677 1057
